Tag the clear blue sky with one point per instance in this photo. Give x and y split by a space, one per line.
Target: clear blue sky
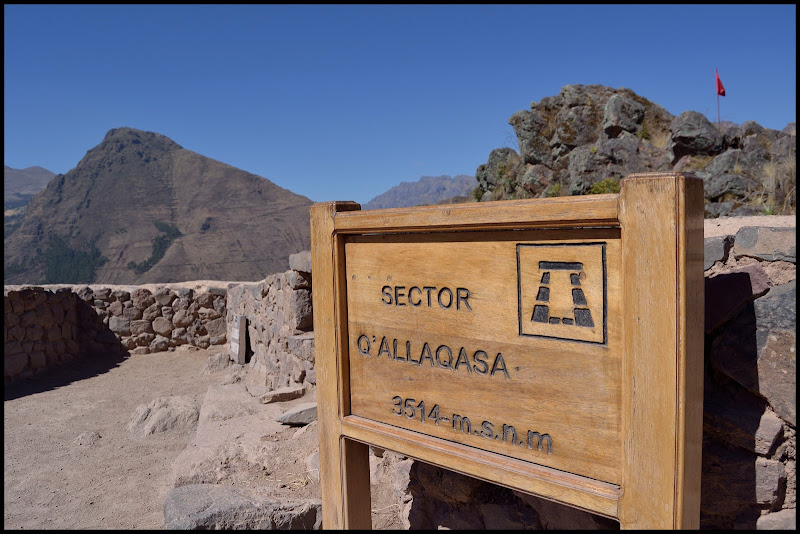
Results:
345 102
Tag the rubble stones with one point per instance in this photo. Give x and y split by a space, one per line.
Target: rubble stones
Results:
164 414
781 520
300 261
299 415
216 507
283 394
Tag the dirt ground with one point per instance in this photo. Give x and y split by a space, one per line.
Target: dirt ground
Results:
69 461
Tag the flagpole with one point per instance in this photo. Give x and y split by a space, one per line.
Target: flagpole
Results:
717 91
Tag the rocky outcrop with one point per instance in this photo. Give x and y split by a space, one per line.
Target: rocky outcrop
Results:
588 137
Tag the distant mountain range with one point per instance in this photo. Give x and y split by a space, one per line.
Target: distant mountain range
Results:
139 208
427 190
19 185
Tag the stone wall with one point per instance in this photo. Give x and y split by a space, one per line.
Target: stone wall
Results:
279 324
48 325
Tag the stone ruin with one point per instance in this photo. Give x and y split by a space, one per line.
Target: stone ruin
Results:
749 432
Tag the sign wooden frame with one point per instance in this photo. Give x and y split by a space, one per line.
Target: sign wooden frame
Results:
654 267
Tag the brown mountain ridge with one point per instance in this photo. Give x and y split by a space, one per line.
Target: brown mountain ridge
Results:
139 208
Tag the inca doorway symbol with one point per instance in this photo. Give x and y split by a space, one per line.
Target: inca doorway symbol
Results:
562 291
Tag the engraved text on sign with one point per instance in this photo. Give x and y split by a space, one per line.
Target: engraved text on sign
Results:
440 331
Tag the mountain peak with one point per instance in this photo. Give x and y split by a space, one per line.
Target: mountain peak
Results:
139 208
127 135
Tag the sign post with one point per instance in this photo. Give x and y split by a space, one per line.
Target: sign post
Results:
552 346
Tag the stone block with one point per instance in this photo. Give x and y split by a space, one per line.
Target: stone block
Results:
218 291
13 364
164 296
238 339
766 243
203 341
85 294
58 313
182 318
10 319
770 428
301 311
101 293
727 293
144 339
16 333
162 326
780 520
120 325
28 318
216 327
34 333
299 415
219 305
131 313
205 300
185 293
207 314
115 308
53 333
298 280
121 295
768 480
300 261
777 373
216 507
282 394
142 299
302 346
151 312
159 344
38 360
140 327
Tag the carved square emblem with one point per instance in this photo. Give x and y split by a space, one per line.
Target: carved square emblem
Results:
562 291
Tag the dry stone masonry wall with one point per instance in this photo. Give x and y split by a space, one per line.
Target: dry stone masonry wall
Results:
46 325
280 340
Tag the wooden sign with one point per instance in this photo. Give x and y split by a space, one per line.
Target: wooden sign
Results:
552 346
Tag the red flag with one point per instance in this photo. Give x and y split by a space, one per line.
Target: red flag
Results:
720 88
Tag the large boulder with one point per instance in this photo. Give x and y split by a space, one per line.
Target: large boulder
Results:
692 134
622 114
